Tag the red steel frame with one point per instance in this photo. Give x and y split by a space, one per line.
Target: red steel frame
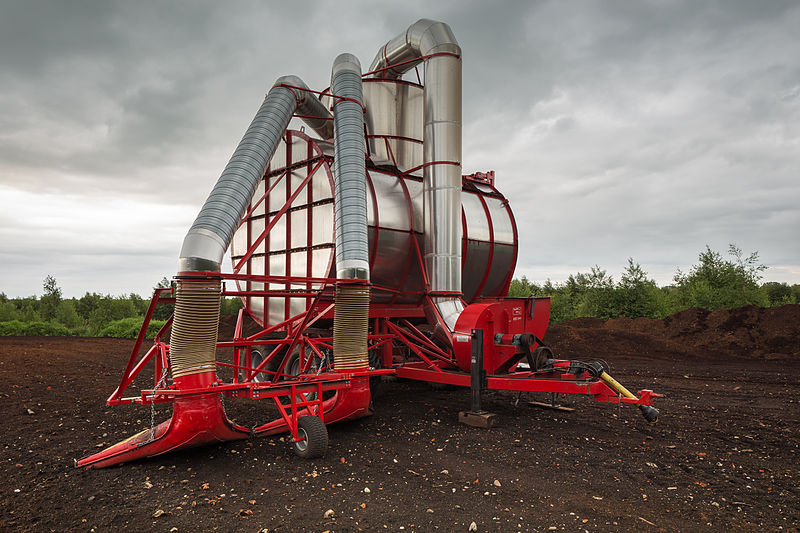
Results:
404 350
397 335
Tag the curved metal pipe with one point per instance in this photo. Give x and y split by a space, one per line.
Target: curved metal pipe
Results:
310 109
210 235
422 38
441 189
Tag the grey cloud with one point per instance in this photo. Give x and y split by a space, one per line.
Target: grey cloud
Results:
617 129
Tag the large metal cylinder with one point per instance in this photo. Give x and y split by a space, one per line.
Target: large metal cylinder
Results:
394 123
301 242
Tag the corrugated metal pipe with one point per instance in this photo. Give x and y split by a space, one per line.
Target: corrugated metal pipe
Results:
194 330
351 312
441 188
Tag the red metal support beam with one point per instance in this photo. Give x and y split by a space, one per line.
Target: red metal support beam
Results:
275 219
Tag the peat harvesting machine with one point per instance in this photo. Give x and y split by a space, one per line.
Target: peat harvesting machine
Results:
361 251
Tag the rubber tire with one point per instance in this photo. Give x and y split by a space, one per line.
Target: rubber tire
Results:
316 437
294 360
258 356
272 366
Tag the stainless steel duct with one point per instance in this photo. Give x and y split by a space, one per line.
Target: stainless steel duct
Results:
351 314
193 336
434 43
352 255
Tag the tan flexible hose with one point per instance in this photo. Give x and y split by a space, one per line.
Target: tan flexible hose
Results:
194 331
350 327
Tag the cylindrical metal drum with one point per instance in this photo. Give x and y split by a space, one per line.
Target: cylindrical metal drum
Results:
300 240
289 230
394 123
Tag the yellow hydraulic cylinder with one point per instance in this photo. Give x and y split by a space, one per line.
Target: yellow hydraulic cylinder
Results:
616 385
650 413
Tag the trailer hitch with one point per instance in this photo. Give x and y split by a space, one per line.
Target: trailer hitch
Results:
597 369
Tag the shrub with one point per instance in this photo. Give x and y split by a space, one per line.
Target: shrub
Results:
8 311
638 295
716 283
109 310
65 314
128 328
86 304
230 306
33 329
561 308
593 294
523 287
713 283
778 293
51 299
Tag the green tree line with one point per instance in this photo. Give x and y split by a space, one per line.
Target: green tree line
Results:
713 283
91 315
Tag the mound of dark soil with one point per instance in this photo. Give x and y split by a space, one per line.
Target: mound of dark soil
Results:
746 332
227 326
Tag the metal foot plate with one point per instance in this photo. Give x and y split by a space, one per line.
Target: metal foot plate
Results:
479 420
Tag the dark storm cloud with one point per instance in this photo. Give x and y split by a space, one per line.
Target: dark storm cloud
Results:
643 129
662 127
109 89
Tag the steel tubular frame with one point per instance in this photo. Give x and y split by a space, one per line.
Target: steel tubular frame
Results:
393 326
405 347
298 395
393 330
435 363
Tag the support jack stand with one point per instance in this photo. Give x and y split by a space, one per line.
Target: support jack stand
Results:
476 416
478 420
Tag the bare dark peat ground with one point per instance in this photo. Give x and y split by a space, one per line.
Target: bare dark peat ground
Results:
724 455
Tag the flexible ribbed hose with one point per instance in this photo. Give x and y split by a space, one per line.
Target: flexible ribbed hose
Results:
351 314
350 323
194 331
212 231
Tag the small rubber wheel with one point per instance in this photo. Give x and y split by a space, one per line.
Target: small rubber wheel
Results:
313 436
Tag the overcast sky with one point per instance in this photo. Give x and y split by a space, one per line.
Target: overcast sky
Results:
617 129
